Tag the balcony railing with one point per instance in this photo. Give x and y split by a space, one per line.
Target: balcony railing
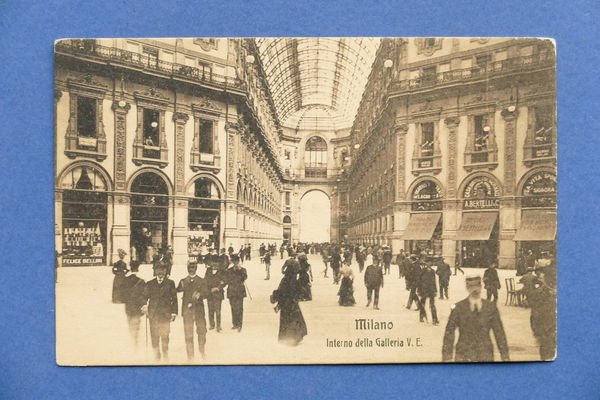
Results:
146 62
484 71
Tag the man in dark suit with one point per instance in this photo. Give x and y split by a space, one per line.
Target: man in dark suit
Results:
336 261
215 282
491 282
427 290
474 318
412 278
443 272
161 309
223 260
373 281
192 309
236 291
135 300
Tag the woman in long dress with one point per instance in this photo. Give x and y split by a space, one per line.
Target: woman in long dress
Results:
346 291
292 327
305 278
119 269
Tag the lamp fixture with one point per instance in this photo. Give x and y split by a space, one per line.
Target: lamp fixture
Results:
250 59
122 103
486 128
511 108
388 63
154 124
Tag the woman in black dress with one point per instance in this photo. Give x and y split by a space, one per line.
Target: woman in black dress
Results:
346 291
292 327
119 269
305 278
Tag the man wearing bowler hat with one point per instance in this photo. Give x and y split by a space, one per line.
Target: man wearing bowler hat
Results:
474 318
236 291
161 310
194 291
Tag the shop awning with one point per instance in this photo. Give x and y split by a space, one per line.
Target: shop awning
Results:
476 225
421 226
537 225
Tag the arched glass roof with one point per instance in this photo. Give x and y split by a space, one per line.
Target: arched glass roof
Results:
317 78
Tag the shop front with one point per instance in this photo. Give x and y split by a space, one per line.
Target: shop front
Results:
149 216
204 218
478 234
425 225
84 215
537 230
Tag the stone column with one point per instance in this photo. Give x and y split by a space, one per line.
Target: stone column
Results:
120 230
180 203
401 214
508 209
229 219
451 202
58 203
180 232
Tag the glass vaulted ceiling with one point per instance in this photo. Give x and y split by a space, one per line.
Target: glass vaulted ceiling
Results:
317 83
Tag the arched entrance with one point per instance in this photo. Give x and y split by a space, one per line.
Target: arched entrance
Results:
149 216
287 229
204 217
315 217
84 213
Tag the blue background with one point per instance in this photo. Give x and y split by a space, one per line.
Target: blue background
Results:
27 357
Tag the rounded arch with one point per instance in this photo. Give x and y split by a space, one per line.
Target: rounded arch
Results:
422 179
156 171
530 173
88 164
287 219
203 175
315 190
477 174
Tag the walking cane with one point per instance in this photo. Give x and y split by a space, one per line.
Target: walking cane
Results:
248 291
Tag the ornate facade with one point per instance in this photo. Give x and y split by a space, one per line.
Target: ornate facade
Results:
162 142
468 125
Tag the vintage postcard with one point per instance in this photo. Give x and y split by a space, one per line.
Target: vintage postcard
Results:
305 200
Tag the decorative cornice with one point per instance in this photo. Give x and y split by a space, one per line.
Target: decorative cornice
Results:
452 122
509 115
180 117
121 106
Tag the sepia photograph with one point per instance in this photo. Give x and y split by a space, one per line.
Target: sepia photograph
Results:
311 200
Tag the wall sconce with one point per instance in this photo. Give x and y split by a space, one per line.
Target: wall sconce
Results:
357 146
154 124
122 103
388 63
486 128
511 108
250 59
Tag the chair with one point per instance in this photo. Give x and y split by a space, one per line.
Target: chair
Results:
513 296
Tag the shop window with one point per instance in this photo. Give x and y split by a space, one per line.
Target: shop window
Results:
84 213
540 141
426 154
481 142
288 199
204 212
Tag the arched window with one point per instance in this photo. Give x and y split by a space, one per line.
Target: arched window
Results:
204 216
287 219
84 214
315 158
149 216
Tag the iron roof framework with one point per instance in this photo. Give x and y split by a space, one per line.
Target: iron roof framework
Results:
317 83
